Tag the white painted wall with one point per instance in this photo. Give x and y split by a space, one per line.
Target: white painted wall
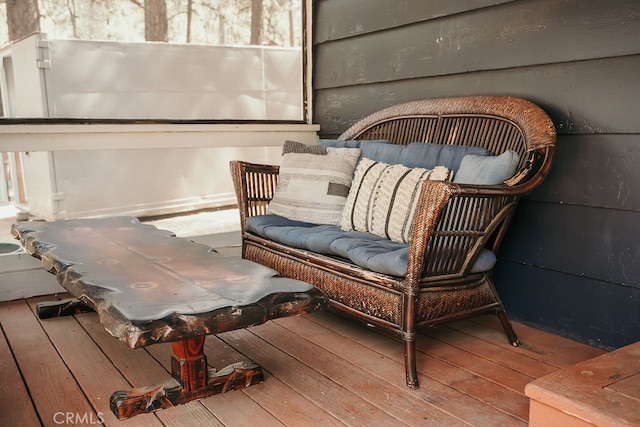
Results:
140 170
21 276
73 171
91 79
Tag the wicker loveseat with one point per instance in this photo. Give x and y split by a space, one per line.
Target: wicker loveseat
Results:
455 224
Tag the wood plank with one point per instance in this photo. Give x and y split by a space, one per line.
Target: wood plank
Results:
340 365
586 390
141 369
459 394
52 386
289 406
320 369
512 357
93 371
545 416
629 387
284 403
552 349
477 365
16 406
237 408
338 401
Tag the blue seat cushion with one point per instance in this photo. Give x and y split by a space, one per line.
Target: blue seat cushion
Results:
363 249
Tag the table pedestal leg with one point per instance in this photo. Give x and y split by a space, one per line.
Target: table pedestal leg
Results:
191 380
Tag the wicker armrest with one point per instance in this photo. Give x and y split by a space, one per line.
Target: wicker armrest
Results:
434 196
453 223
254 185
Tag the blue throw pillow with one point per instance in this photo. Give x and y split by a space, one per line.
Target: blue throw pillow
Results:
353 143
483 170
414 155
419 154
384 152
428 156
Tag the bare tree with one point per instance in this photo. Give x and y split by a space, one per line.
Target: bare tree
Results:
189 14
256 21
23 18
155 20
71 6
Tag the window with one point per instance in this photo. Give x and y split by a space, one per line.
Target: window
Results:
239 60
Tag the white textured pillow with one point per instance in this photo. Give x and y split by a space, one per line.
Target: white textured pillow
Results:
383 198
314 183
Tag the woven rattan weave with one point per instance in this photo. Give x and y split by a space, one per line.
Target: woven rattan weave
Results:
454 221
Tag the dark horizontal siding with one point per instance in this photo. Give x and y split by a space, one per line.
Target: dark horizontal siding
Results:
343 19
580 308
570 262
595 96
594 170
508 36
588 242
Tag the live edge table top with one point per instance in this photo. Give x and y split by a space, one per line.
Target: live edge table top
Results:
149 286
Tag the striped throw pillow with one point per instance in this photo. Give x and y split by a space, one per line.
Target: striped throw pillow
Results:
314 183
383 198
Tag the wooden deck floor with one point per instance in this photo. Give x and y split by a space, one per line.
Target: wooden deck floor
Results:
320 369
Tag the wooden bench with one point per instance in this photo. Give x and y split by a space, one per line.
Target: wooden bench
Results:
149 286
603 391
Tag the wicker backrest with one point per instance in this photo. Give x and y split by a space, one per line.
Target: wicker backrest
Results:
475 218
497 123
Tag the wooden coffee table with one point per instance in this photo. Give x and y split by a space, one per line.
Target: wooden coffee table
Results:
149 286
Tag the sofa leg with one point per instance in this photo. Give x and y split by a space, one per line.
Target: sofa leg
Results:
508 329
410 363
